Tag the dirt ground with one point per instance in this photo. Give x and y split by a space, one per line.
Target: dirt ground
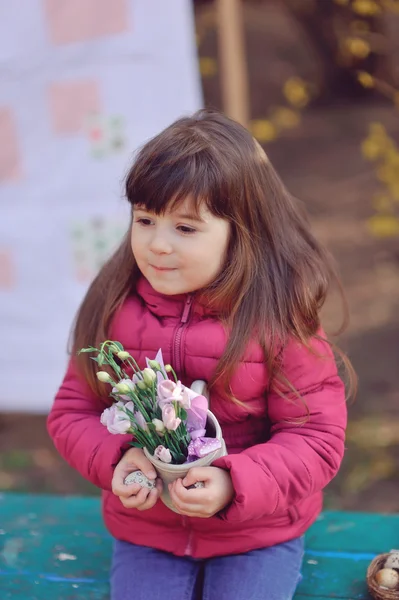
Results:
320 162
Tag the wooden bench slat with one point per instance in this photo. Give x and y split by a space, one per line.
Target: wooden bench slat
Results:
41 535
38 589
366 533
57 556
333 577
46 512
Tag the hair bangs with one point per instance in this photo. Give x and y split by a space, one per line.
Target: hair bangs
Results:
167 180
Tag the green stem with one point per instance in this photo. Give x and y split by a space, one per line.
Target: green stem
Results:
174 374
172 443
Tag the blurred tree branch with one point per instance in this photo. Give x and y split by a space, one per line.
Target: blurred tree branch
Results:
346 36
341 43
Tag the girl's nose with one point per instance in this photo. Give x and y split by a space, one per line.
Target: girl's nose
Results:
159 244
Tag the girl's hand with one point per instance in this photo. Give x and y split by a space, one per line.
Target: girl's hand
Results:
202 502
133 495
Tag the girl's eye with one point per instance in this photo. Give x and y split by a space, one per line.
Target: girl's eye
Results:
185 229
143 221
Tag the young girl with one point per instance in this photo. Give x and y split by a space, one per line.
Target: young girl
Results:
220 270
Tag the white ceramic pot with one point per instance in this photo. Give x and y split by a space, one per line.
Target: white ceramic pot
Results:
169 473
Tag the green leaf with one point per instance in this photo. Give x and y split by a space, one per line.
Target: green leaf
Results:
90 349
136 445
183 414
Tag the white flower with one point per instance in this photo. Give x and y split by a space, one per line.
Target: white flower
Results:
123 355
149 376
123 387
103 376
159 426
154 364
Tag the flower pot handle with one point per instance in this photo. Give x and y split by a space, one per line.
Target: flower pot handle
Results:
199 387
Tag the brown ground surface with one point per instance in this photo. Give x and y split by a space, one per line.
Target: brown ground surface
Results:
321 163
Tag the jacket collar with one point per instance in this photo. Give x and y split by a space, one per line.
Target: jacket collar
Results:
170 306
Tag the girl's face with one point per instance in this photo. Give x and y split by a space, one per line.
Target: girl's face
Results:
179 252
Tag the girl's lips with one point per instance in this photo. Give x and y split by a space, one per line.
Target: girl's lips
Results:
162 268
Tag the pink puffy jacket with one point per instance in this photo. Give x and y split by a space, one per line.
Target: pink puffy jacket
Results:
278 468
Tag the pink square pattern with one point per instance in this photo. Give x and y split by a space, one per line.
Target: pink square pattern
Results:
80 20
71 102
7 272
10 160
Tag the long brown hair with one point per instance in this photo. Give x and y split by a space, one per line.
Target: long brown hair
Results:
276 276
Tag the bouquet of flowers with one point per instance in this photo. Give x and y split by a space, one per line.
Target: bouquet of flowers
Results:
164 417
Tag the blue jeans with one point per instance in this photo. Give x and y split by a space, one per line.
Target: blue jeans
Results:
141 573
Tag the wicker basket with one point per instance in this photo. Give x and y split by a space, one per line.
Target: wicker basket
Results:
375 590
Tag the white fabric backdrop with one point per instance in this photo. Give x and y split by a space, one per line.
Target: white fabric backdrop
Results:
83 83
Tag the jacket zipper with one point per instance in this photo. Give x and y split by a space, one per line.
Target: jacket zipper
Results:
189 545
177 365
177 361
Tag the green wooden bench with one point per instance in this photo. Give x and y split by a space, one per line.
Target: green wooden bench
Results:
54 547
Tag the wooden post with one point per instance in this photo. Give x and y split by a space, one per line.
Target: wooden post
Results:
234 75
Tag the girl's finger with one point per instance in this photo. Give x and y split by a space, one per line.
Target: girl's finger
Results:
143 464
186 508
197 474
136 501
193 496
125 491
150 501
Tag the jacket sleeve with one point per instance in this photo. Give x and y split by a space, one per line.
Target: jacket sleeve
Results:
75 427
299 459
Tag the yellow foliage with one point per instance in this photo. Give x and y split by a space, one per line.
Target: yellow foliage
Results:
208 66
394 190
263 130
378 144
371 149
385 173
382 203
371 433
384 225
366 8
296 92
358 47
377 129
365 79
380 147
392 5
285 118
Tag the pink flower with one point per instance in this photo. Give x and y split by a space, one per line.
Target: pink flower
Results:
169 418
140 420
165 391
186 398
129 406
169 391
163 454
115 419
